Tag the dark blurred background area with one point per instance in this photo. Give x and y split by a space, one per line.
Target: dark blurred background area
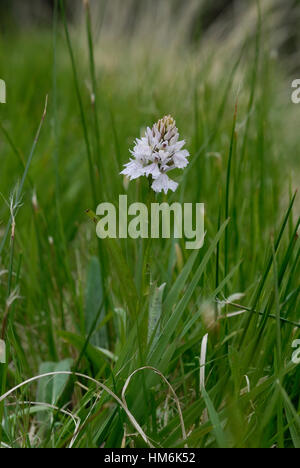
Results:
28 13
25 12
19 14
39 12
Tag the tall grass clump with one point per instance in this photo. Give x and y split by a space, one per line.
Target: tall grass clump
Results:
128 343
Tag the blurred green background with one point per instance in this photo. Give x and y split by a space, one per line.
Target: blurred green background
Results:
194 60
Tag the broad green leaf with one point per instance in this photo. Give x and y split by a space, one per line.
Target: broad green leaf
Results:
155 308
180 282
98 356
50 388
156 355
292 417
216 423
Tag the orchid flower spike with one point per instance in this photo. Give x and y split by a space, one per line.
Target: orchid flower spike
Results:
157 153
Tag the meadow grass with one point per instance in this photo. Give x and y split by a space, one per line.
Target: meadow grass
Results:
140 339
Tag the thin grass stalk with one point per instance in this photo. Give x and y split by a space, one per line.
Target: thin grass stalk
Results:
21 186
94 87
80 103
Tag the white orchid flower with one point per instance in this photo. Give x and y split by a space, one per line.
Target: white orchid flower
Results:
156 154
